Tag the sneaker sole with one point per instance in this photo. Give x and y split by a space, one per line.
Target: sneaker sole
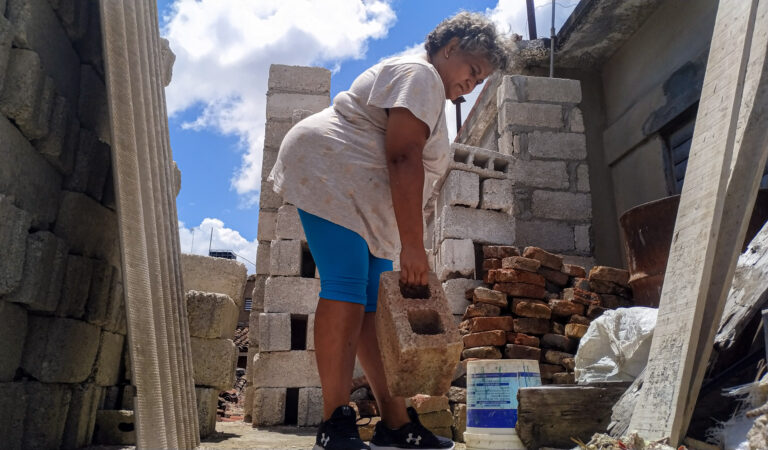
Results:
317 447
377 447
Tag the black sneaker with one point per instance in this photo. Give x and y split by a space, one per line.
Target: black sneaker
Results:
410 435
339 432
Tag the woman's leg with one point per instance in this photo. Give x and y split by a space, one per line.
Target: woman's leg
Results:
392 409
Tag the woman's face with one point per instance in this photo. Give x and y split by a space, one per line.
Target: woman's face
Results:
460 71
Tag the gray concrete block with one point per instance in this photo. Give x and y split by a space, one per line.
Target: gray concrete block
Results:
81 417
88 227
508 91
219 275
539 174
310 407
268 160
296 368
176 179
73 15
498 195
91 166
274 332
93 108
455 292
89 46
456 259
582 178
27 96
13 331
6 38
267 223
128 399
77 282
484 162
291 294
539 89
257 296
263 258
105 304
527 116
14 226
60 350
281 105
315 80
44 424
575 121
27 176
285 258
107 368
268 406
214 362
210 314
207 402
13 406
58 146
248 406
482 226
553 145
288 224
115 427
274 132
562 205
552 236
310 332
460 188
44 267
583 239
268 198
38 28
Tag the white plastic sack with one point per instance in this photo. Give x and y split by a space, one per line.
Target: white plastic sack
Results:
616 345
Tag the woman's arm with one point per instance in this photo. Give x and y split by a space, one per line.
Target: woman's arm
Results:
405 139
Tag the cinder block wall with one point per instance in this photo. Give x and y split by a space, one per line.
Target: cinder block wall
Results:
283 385
62 319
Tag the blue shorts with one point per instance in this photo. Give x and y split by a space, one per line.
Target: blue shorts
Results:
348 271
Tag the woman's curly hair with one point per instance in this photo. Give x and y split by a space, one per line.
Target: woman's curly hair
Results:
477 35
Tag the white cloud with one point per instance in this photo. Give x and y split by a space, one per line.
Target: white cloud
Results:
196 240
224 49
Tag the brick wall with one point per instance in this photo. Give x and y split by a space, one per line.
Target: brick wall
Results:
62 320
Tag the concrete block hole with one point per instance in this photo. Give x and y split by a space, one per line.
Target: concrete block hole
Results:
461 156
308 266
480 161
292 406
425 321
298 332
500 165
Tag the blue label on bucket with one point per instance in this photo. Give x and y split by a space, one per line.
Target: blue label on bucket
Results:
492 397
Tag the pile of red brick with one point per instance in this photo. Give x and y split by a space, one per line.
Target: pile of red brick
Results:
536 307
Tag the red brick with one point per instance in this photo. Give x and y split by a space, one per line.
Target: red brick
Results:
610 301
519 276
499 251
574 271
485 338
520 263
581 296
575 330
469 293
564 378
608 287
464 327
581 283
506 323
493 263
547 259
559 342
547 370
526 307
594 311
481 353
611 274
577 318
569 363
481 310
565 308
522 339
557 328
490 297
489 276
556 356
521 290
513 351
554 276
529 325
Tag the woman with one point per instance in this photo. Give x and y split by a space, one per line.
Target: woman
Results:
361 172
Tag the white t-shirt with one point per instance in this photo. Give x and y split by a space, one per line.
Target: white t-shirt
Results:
333 164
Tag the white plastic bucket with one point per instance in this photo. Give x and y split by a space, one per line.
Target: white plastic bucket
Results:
492 386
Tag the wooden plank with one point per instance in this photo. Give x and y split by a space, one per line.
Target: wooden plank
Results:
721 185
549 416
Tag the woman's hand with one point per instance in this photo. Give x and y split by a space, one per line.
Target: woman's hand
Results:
414 266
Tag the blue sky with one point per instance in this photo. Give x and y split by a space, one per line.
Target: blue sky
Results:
217 97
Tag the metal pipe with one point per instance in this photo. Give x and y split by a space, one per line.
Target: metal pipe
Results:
552 44
458 103
531 19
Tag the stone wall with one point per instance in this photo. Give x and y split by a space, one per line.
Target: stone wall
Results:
62 315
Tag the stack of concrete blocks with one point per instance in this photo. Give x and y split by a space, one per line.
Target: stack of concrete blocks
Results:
541 127
283 374
62 319
214 291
